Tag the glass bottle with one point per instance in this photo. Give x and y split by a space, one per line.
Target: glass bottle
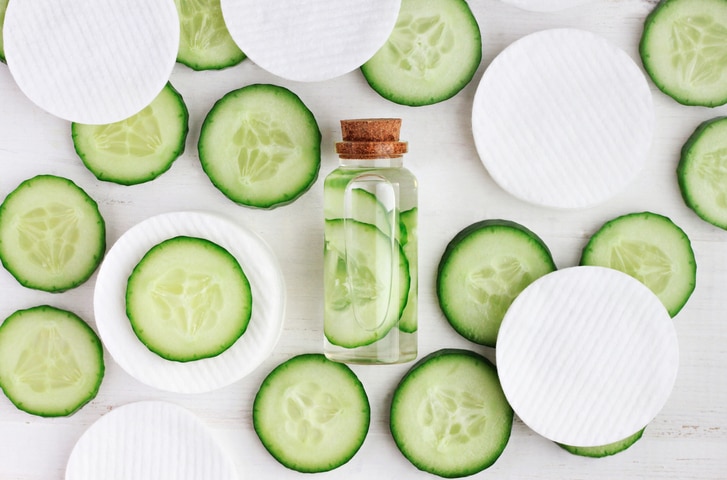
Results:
370 247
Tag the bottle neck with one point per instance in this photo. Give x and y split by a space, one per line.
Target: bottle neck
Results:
395 162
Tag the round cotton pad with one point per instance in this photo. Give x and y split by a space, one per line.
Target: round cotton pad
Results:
310 41
563 119
149 440
91 61
587 356
545 5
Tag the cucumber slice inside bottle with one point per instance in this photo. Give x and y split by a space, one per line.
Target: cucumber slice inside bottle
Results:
311 414
484 267
432 53
684 50
204 42
52 235
702 172
408 238
261 146
652 249
3 8
139 148
188 299
362 206
604 450
366 283
51 361
449 415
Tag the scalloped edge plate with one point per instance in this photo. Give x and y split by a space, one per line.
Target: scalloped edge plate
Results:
254 346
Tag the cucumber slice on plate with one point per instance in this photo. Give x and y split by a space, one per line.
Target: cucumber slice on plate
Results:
604 450
52 235
449 415
311 414
261 146
188 299
432 53
139 148
684 50
204 42
3 8
366 283
51 361
702 171
652 249
484 267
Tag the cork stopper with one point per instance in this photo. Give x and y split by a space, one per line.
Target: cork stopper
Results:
371 138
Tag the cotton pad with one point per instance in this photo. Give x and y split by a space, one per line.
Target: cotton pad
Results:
149 440
562 118
91 61
545 5
587 356
310 41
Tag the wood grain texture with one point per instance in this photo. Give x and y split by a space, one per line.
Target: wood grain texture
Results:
687 440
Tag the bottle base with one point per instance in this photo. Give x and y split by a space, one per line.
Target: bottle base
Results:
379 353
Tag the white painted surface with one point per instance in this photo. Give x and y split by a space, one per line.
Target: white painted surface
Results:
687 440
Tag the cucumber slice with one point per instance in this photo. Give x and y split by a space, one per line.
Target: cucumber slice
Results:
188 299
366 283
702 171
139 148
409 243
3 8
52 235
449 415
261 146
484 267
650 248
51 361
362 205
432 53
204 42
604 450
311 414
684 50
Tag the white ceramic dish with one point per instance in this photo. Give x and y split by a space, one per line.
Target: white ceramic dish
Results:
149 440
587 356
266 323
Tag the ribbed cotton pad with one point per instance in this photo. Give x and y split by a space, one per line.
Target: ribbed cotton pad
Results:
150 440
91 61
313 40
545 5
562 118
587 356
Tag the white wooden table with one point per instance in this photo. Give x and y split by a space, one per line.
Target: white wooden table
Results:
688 439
